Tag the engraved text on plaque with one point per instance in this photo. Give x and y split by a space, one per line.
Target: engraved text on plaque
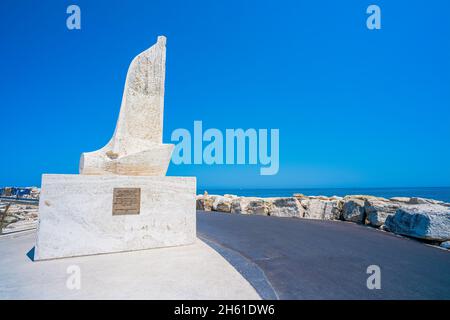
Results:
126 201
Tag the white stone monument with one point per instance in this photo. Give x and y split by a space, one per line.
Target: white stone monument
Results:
122 200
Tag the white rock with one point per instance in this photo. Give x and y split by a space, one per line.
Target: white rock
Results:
322 209
320 197
418 201
206 202
401 199
314 208
353 209
250 205
222 204
430 222
333 209
199 202
445 244
231 196
285 207
377 211
236 206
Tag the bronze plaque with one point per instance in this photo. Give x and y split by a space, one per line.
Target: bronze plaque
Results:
126 201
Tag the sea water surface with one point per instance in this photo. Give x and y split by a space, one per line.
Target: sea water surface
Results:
436 193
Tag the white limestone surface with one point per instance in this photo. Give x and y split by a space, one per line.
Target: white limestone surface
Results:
136 147
75 215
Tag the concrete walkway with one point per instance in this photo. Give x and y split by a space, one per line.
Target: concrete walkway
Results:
189 272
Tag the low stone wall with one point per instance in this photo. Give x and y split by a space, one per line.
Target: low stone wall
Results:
424 219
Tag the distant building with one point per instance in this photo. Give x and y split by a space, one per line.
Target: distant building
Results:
20 192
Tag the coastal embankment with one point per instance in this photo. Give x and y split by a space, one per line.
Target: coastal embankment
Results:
423 219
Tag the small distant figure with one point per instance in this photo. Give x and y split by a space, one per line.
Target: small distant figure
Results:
205 193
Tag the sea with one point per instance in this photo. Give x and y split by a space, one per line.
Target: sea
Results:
436 193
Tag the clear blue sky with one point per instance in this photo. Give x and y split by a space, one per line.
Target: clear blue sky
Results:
355 108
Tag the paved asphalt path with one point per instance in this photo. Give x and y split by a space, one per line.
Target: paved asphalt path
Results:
313 259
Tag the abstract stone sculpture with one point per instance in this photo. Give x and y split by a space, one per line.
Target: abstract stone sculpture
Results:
136 148
121 200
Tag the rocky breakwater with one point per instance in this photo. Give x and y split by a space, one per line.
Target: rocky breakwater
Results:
17 217
423 219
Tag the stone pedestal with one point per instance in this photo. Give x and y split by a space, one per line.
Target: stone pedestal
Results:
93 214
